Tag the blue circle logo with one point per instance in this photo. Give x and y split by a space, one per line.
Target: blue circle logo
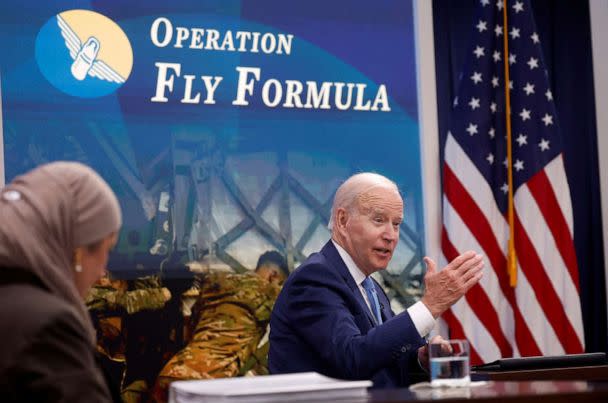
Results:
84 54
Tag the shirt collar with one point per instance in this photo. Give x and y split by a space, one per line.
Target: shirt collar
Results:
354 271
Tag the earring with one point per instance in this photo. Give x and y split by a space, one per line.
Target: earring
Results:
77 259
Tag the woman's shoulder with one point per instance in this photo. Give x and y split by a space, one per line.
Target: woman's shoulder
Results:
26 313
27 308
44 340
17 299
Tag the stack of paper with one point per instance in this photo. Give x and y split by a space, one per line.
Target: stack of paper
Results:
305 386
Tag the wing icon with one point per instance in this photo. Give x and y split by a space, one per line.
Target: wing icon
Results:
71 39
85 56
105 72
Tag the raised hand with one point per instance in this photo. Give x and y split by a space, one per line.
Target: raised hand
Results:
443 288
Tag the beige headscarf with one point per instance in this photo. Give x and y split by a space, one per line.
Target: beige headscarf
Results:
48 212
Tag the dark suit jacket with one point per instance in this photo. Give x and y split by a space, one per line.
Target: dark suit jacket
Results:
45 355
320 322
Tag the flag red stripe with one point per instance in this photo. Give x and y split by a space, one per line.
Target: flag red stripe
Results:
546 296
544 194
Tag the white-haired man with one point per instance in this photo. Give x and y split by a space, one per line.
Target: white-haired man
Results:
333 318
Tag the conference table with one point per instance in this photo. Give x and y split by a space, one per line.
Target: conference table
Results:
581 384
569 384
502 391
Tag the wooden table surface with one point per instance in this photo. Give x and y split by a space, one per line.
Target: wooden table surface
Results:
500 391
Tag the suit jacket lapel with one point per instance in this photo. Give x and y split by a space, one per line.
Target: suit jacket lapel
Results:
331 254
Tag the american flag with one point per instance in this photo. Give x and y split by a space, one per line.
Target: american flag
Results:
541 315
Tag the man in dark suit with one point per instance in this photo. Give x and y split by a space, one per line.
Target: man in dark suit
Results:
333 318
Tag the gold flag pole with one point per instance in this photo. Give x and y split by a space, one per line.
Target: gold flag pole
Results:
511 256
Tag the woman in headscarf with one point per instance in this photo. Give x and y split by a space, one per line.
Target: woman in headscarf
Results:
58 224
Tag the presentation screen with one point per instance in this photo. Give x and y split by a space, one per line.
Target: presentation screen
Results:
224 127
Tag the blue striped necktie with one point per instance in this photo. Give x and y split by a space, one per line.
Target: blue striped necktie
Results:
370 290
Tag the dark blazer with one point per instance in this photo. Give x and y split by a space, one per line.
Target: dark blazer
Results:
320 322
45 355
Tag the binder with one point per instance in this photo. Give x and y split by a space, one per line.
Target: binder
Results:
543 362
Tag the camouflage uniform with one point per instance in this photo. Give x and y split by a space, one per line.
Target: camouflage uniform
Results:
112 296
230 317
108 300
135 392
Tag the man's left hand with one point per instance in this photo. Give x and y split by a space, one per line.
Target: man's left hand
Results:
423 352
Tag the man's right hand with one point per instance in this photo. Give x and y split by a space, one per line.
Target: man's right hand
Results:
443 288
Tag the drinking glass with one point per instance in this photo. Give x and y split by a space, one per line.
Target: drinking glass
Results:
449 363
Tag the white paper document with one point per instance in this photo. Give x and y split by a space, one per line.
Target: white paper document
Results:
304 386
